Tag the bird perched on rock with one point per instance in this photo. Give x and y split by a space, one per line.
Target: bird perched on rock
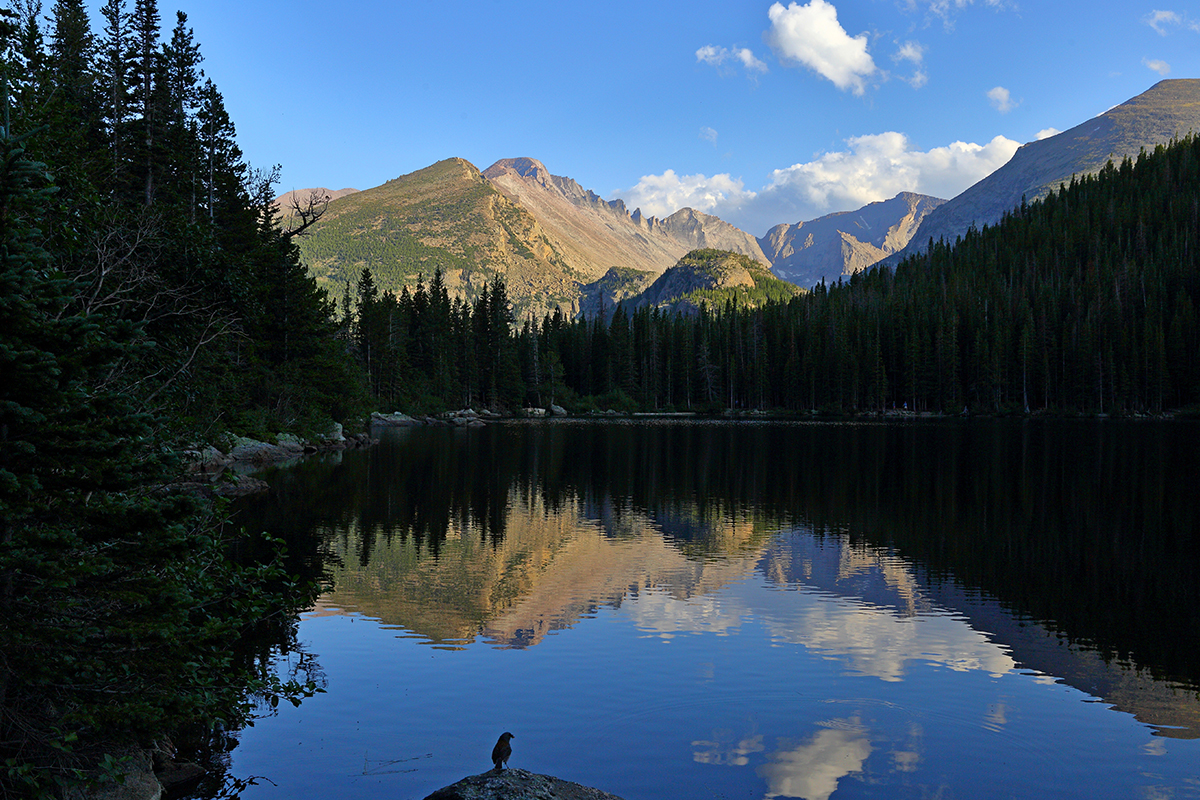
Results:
502 751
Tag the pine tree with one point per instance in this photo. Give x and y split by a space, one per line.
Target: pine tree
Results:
147 72
91 659
182 73
114 70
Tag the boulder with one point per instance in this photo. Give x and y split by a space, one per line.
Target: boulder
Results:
394 420
252 451
335 433
208 460
557 411
290 442
518 784
138 783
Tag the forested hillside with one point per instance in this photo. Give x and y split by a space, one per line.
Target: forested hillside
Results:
148 302
159 223
1084 302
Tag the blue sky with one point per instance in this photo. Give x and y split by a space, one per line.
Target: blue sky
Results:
760 112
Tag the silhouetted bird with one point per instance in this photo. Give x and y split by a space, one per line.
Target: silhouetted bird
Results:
502 751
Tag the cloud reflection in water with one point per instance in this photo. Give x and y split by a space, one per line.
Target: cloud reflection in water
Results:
812 770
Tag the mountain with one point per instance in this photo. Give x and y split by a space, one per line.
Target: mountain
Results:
619 283
553 242
558 244
285 200
597 234
847 242
714 277
445 216
1169 109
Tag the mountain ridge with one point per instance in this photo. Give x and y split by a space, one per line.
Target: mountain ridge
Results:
1168 109
445 216
554 242
807 253
603 233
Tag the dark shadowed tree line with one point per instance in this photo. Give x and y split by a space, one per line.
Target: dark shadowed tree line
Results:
1085 302
159 222
148 301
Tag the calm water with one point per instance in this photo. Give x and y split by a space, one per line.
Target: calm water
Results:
729 610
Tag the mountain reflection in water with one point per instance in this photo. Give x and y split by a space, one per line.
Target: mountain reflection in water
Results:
1061 550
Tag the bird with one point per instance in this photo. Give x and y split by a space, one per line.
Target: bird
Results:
502 751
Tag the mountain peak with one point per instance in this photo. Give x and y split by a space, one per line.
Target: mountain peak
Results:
524 166
596 233
1168 109
845 242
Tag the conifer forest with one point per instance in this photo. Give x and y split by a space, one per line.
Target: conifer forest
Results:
1084 302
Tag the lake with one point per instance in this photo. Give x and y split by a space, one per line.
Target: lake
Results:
667 609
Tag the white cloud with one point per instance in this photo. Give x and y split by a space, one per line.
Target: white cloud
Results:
1002 99
873 168
879 166
914 52
811 35
749 61
946 10
911 51
716 56
943 7
709 135
712 55
1159 66
663 195
1046 133
1159 20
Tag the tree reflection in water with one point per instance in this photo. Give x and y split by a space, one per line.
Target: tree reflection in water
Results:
1069 547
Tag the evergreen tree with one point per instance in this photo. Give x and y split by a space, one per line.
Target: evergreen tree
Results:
147 72
114 70
92 661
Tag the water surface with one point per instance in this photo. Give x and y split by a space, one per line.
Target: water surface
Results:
694 610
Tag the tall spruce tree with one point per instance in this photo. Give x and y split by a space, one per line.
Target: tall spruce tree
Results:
147 76
113 68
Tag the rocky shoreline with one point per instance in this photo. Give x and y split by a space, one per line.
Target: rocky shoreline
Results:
213 472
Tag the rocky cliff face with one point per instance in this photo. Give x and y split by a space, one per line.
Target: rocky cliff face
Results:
619 283
597 234
1169 108
842 244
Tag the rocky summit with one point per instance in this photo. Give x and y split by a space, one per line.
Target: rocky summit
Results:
842 244
598 234
445 217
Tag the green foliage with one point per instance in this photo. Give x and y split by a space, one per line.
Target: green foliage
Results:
125 596
147 300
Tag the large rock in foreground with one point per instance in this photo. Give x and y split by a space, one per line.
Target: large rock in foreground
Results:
518 784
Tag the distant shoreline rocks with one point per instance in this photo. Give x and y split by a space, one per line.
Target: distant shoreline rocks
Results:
214 472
